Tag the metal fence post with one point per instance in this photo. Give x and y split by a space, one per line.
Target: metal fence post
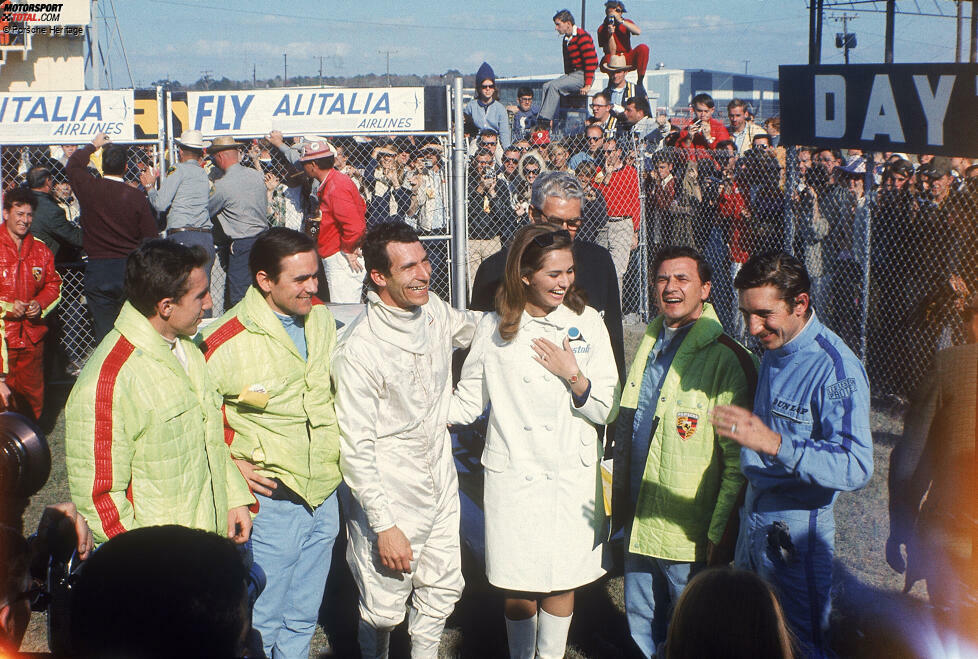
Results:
460 263
643 243
161 134
870 194
790 187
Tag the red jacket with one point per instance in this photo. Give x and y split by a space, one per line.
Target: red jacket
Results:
29 275
732 206
343 219
698 142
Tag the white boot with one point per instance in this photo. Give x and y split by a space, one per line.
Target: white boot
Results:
522 635
552 635
374 643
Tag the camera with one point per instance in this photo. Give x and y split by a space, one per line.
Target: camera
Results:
611 21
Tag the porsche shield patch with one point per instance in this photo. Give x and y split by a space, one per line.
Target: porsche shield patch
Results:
38 272
686 424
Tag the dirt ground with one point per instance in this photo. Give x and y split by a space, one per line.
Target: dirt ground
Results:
870 617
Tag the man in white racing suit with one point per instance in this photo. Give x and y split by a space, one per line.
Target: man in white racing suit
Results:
392 372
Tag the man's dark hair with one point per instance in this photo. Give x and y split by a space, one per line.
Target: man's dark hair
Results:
160 269
272 246
524 91
114 159
487 132
641 103
704 99
678 252
564 16
187 582
375 256
723 144
18 196
779 269
37 177
603 96
761 136
326 162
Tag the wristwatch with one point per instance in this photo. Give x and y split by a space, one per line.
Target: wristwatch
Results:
574 378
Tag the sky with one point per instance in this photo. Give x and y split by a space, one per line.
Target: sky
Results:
180 39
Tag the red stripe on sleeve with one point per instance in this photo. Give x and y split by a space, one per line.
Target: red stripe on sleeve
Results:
223 334
228 430
107 511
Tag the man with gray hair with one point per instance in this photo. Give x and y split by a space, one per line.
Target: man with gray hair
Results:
557 198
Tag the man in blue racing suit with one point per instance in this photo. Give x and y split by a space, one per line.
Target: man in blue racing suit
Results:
807 438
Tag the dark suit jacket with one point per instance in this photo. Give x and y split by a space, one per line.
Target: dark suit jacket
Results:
115 217
51 227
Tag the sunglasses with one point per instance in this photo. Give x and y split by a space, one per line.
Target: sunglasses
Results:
488 86
508 159
531 172
545 240
592 138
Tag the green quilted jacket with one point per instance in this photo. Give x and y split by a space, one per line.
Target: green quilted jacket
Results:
289 429
692 476
144 441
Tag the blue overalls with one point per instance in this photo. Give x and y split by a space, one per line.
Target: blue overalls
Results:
815 393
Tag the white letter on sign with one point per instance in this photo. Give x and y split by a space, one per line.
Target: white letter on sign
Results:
881 112
836 86
935 105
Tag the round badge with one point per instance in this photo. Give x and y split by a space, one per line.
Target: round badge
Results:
573 334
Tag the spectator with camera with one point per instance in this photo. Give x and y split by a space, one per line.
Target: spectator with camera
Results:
615 38
580 63
29 289
489 211
485 110
705 132
143 437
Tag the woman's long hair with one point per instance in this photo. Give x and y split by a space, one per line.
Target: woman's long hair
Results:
526 257
725 612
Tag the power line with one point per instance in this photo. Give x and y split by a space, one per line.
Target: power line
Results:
122 44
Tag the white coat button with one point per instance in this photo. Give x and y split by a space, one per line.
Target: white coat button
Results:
526 378
529 477
548 427
527 428
547 378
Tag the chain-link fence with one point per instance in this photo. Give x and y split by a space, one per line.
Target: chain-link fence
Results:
499 182
400 179
407 179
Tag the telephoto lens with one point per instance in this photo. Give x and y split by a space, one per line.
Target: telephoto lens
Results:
25 459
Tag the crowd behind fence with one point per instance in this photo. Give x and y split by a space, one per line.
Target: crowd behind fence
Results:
890 242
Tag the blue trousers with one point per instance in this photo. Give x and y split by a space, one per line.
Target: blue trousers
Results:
294 547
104 293
800 574
236 266
652 588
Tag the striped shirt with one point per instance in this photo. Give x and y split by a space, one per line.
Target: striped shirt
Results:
579 55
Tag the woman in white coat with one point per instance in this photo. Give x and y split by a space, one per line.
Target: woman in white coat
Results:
544 361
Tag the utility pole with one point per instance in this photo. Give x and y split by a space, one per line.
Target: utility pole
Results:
205 77
846 40
285 69
959 24
320 70
388 53
254 75
583 21
746 63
